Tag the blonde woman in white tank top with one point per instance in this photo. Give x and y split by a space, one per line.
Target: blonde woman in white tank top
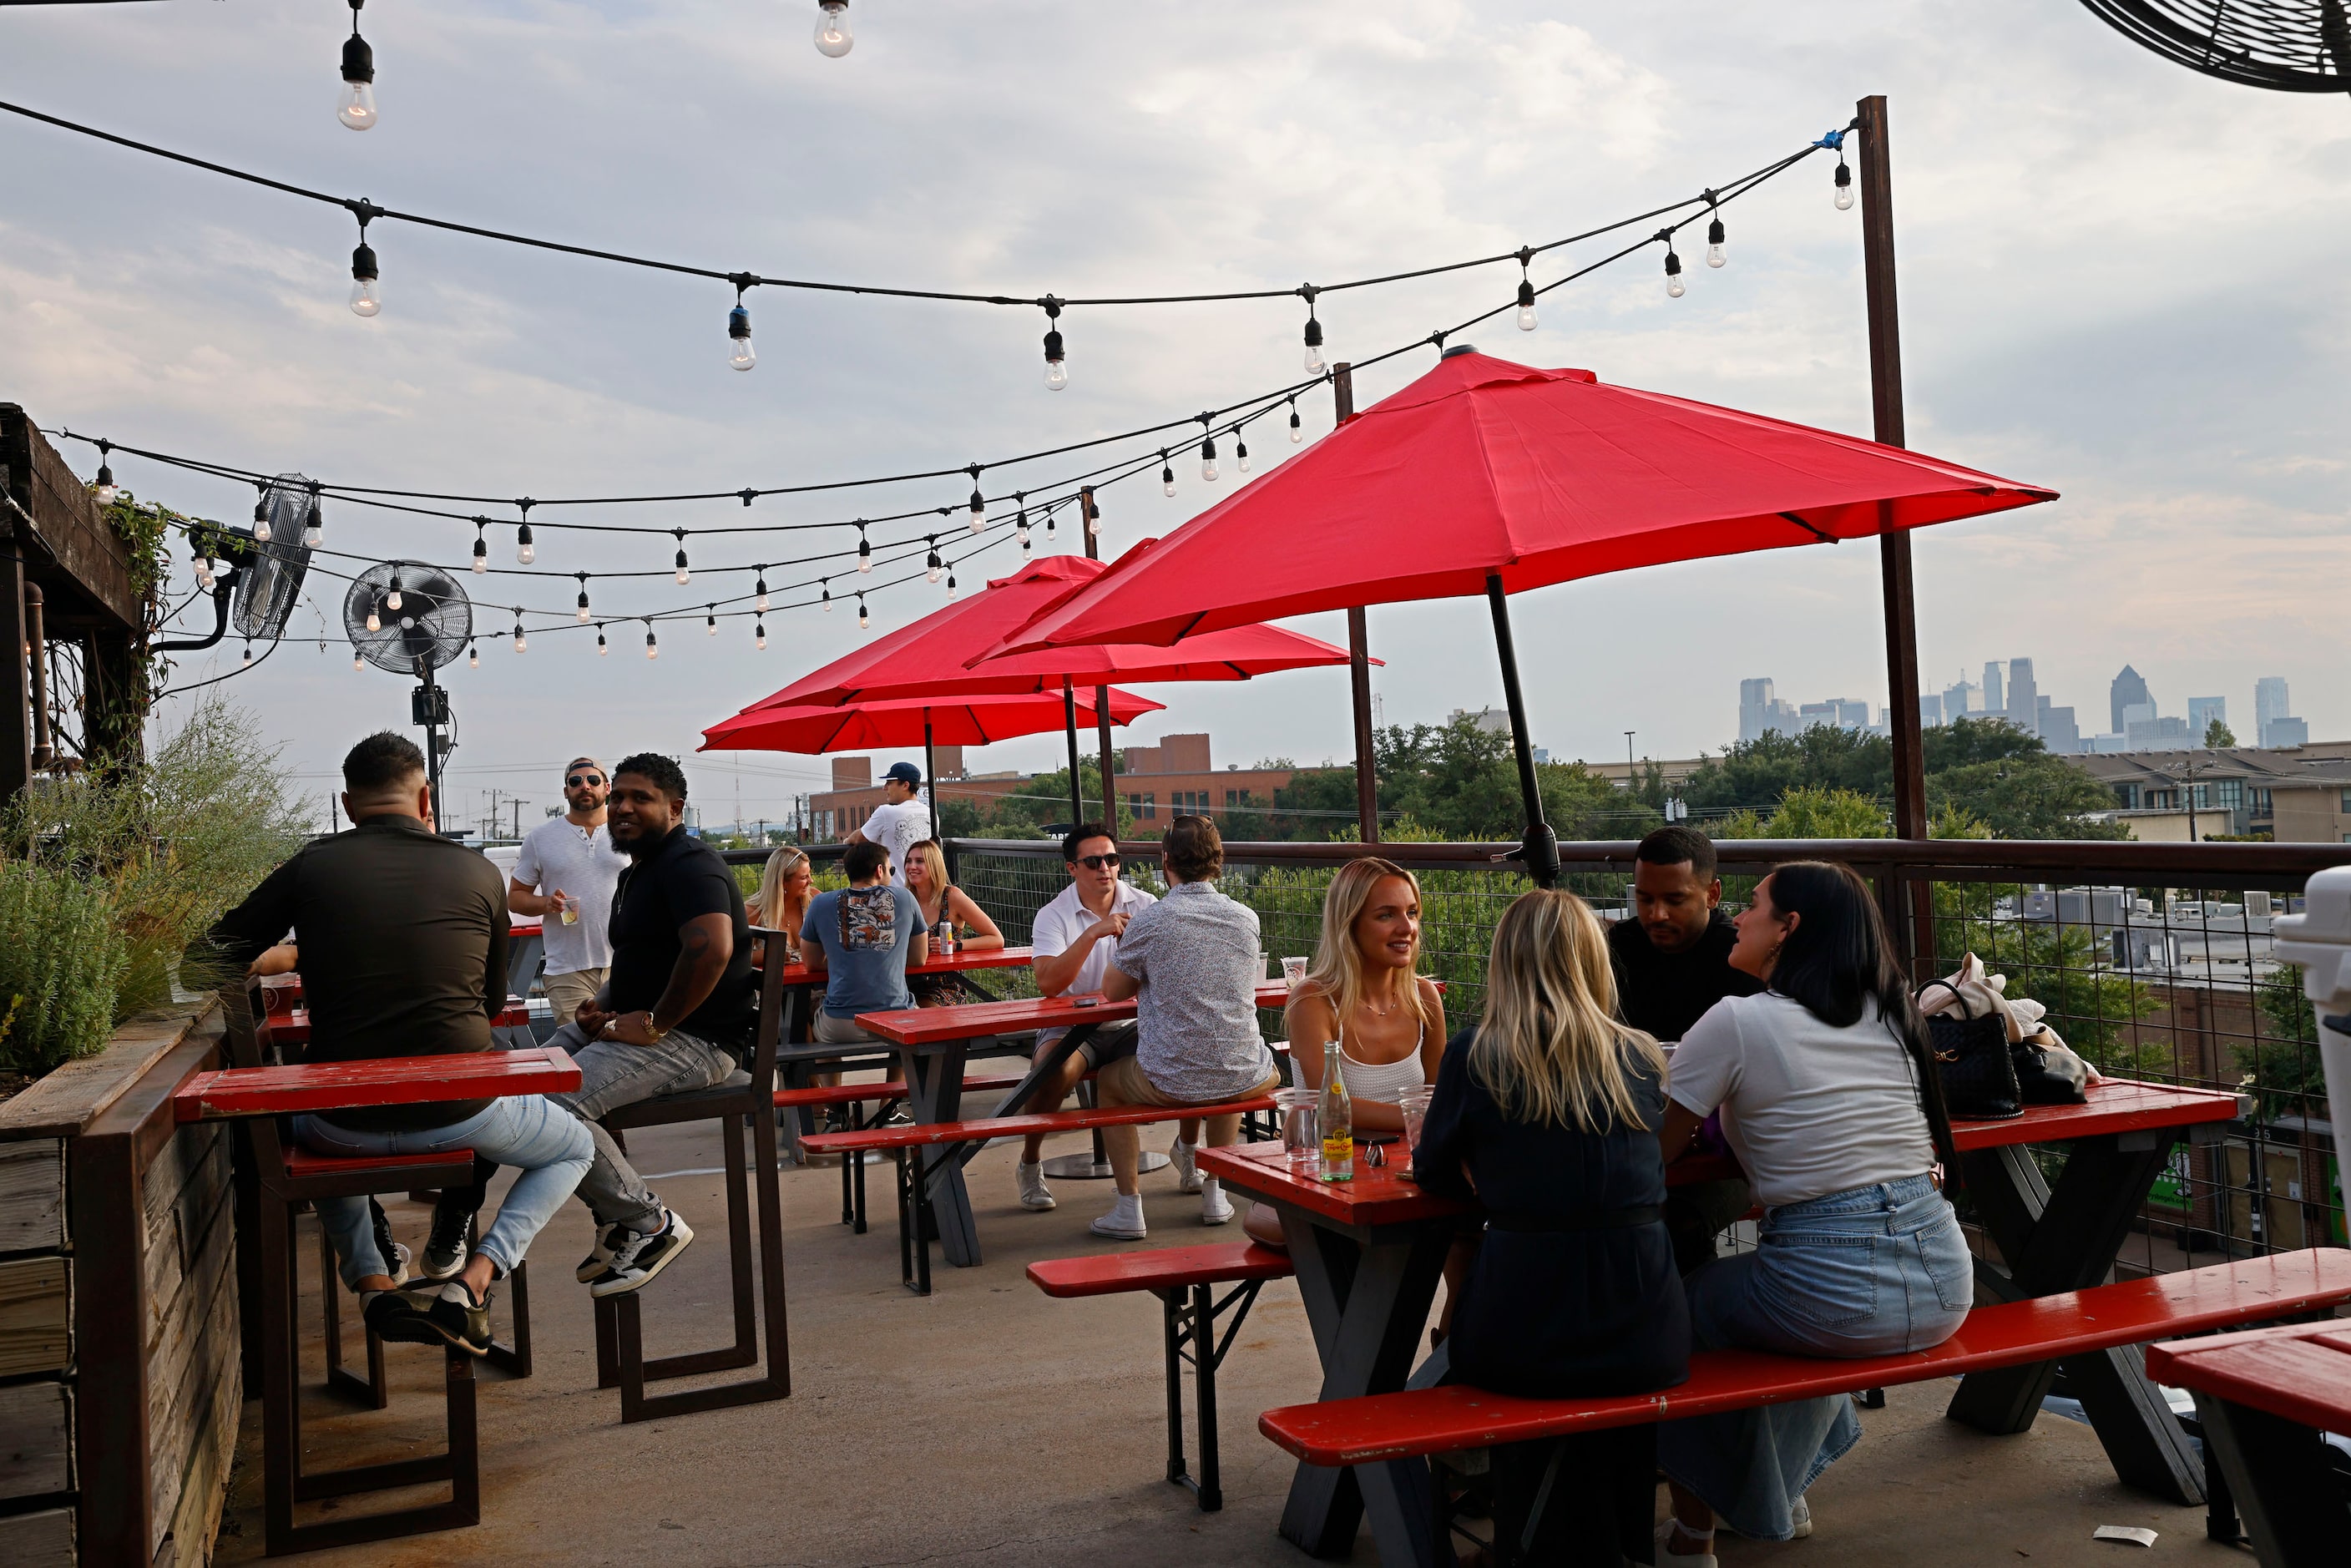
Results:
1364 990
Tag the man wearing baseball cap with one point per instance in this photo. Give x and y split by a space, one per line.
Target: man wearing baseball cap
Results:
901 821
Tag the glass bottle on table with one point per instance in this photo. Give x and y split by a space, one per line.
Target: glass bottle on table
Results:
1334 1117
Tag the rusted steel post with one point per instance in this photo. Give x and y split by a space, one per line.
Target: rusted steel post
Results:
1359 654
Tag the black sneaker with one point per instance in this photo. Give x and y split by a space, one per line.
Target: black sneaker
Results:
444 1251
447 1314
639 1257
395 1256
600 1256
393 1317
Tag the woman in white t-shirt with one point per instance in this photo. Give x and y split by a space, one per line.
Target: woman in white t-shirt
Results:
1829 1097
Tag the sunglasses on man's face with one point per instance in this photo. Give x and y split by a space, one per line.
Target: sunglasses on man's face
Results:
578 781
1099 863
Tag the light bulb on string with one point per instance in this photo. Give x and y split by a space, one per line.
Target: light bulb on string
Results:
357 662
761 605
203 570
374 622
1021 526
522 643
826 601
261 515
525 551
1207 452
710 619
1090 513
1675 287
1166 473
685 573
366 301
1057 364
864 552
977 515
248 651
931 566
472 657
653 646
355 107
392 601
1297 431
603 649
583 597
951 582
739 353
1716 255
1526 305
833 35
1049 522
1844 182
759 634
864 619
314 523
105 490
1240 453
481 547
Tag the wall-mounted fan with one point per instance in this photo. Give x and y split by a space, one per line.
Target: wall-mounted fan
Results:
412 619
2287 46
269 583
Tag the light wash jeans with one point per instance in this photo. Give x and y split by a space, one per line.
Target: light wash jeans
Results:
614 1073
1872 1271
552 1149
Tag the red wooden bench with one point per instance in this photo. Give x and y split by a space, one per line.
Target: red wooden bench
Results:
883 1097
914 1225
1415 1423
1183 1279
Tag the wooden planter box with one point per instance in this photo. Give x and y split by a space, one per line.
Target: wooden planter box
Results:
118 1328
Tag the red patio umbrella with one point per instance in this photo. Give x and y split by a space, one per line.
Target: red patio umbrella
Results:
909 721
944 654
1488 477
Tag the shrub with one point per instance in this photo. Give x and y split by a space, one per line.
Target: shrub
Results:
62 961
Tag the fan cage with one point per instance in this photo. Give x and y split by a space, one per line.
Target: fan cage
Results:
273 570
430 628
2286 46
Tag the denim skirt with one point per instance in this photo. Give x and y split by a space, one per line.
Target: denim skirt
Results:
1871 1270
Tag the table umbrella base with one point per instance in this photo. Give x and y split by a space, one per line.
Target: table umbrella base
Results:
1085 1167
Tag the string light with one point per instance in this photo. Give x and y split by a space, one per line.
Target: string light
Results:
1297 433
1836 139
833 35
652 647
1021 526
356 106
373 622
978 515
1240 453
826 601
951 582
481 547
365 299
248 650
392 601
105 489
762 591
1208 451
1090 513
1315 364
203 566
522 643
525 551
739 353
931 566
583 597
1526 291
1166 473
685 573
864 619
1057 365
1675 287
314 523
710 618
261 514
864 552
472 657
603 650
357 662
1715 253
760 635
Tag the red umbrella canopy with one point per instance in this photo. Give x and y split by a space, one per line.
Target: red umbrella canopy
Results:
931 658
1482 467
958 721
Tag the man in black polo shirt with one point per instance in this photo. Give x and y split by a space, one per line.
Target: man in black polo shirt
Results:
1673 962
404 953
676 1011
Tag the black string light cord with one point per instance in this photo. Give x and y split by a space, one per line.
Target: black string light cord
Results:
368 212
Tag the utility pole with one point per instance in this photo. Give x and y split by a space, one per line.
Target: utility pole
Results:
1359 653
1628 759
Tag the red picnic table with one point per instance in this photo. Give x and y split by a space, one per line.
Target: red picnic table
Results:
232 1092
1369 1253
291 1027
934 1043
2263 1398
802 983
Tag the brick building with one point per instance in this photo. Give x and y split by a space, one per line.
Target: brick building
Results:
834 812
1158 783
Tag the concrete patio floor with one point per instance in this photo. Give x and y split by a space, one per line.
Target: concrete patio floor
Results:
988 1426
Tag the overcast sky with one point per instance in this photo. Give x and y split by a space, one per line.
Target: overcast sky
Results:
2117 280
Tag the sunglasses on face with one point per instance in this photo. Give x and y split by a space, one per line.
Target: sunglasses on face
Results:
579 779
1100 862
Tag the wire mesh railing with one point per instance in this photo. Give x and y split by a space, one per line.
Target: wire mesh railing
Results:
2154 961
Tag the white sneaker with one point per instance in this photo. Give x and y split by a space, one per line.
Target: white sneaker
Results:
1671 1534
1184 1157
1215 1208
1802 1514
1124 1222
1034 1194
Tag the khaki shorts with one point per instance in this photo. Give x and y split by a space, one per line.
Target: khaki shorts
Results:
567 994
1121 1082
831 1030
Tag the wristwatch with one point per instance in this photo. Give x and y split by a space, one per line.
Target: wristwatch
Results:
654 1029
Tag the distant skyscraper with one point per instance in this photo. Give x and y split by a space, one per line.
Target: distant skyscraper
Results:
2058 731
1965 699
2287 731
1754 708
2202 712
1992 701
2128 688
2024 699
1931 710
2270 706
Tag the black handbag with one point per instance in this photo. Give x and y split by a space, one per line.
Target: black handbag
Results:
1971 1055
2049 1075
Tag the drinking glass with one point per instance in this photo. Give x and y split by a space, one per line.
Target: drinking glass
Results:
1413 1103
1292 971
1302 1141
568 906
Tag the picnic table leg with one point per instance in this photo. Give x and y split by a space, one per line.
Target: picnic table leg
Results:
2062 1239
935 1092
2283 1485
1367 1304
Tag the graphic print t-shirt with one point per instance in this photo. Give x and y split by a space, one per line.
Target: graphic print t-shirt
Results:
867 933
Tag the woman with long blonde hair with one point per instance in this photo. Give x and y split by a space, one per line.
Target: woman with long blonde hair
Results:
941 900
1546 1117
786 885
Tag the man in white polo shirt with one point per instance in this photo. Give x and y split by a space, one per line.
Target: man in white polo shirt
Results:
569 867
1073 937
901 821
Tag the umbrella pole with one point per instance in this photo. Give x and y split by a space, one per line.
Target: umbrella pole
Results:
1101 724
1541 851
1070 721
931 775
1367 782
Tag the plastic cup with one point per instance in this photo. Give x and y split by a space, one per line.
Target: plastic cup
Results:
1301 1143
1413 1103
1293 971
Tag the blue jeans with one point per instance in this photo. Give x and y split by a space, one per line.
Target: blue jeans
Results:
614 1073
527 1131
1872 1271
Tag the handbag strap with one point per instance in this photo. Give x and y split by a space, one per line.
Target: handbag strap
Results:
1955 991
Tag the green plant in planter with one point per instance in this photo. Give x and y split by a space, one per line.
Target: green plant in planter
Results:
62 961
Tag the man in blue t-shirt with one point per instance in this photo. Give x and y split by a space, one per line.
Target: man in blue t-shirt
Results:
860 938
